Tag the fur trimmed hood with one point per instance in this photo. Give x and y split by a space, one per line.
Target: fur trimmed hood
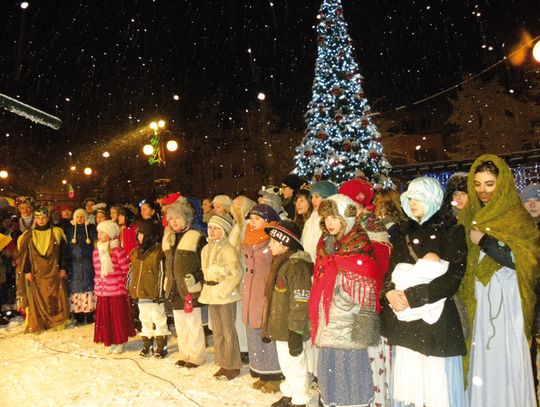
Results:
341 206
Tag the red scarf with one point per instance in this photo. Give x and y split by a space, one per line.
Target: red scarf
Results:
360 275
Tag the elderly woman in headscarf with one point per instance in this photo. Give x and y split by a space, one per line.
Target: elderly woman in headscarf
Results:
498 287
428 349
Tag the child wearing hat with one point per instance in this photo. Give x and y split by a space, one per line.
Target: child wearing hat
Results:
263 361
221 290
287 317
311 233
183 281
113 312
222 204
81 237
146 286
344 305
312 229
530 198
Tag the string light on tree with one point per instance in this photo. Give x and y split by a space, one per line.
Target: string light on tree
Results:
340 137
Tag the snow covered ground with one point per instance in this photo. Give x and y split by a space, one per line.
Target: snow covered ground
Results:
66 368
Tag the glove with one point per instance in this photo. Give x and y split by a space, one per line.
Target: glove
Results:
266 339
296 343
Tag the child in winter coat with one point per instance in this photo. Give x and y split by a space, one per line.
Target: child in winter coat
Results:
81 237
287 317
146 286
113 312
183 281
221 290
343 305
263 361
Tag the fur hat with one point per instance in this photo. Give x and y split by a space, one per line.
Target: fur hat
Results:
224 222
287 233
457 182
272 189
531 191
426 190
110 228
324 189
224 201
265 212
341 206
359 190
180 209
293 181
271 199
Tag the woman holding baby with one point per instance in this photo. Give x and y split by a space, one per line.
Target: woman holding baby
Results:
419 316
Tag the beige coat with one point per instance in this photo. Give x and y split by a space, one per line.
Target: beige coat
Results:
220 264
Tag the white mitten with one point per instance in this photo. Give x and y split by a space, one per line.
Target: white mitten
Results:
192 285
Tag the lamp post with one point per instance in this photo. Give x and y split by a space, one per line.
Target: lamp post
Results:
155 149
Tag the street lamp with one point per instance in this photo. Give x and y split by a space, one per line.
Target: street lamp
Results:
4 174
155 149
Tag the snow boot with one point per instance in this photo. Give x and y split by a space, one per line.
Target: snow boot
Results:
161 347
228 374
282 402
147 351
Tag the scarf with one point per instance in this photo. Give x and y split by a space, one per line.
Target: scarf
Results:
353 258
253 237
505 219
105 256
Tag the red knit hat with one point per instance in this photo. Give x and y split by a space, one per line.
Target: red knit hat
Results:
359 190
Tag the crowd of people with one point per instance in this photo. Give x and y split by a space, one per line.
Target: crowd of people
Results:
424 298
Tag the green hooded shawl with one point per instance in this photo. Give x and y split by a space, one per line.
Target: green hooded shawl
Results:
505 219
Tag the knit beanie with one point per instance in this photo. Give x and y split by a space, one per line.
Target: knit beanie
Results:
359 190
76 214
110 228
287 233
324 189
341 206
265 212
224 222
531 191
224 201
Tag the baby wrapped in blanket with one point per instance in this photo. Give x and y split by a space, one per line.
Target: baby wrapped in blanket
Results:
407 275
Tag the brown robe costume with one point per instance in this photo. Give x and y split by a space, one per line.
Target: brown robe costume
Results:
42 253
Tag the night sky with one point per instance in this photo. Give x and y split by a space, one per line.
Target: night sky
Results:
108 67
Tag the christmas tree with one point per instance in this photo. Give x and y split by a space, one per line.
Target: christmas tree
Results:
340 138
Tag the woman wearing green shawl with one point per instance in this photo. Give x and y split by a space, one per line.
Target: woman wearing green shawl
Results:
498 287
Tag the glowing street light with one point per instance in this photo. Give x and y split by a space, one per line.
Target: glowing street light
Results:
261 96
88 171
106 154
172 145
64 182
148 149
4 174
536 51
72 168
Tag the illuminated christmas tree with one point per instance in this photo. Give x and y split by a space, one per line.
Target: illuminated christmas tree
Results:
340 138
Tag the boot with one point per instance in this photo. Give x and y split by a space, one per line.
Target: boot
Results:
146 351
228 374
89 317
79 318
161 348
282 402
271 386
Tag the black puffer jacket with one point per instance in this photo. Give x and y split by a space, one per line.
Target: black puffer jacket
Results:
442 235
